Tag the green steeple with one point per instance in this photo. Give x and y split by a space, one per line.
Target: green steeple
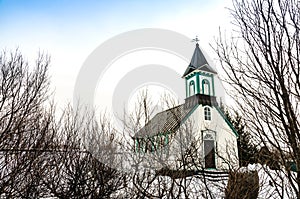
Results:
199 76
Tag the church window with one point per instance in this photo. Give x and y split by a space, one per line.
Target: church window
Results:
207 113
166 140
208 137
162 141
205 87
148 145
153 144
192 88
140 143
137 145
166 147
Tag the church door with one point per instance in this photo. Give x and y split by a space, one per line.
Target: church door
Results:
209 149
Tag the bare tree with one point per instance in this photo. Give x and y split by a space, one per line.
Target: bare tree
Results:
77 169
42 156
262 65
25 124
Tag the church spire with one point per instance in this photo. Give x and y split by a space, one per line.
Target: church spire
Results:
198 61
199 75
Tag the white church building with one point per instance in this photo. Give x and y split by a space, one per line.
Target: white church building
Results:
195 134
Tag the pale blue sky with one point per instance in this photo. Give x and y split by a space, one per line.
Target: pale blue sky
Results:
70 30
66 20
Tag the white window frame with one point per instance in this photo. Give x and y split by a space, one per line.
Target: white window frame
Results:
192 88
207 113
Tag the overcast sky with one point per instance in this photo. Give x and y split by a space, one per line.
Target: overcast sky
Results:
70 30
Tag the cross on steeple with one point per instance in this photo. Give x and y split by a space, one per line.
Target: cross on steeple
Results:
198 61
195 40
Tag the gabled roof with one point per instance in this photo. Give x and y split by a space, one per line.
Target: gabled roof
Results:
170 120
166 122
199 62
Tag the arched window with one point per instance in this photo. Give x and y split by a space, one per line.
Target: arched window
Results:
148 145
207 113
137 145
192 88
141 145
205 87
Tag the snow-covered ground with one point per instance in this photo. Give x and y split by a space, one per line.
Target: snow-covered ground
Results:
273 183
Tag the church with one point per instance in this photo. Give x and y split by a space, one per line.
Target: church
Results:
195 134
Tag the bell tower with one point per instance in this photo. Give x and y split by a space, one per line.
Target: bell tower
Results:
199 75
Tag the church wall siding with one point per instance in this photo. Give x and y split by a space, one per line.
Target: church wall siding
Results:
226 141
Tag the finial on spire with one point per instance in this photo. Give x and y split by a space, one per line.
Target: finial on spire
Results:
195 40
